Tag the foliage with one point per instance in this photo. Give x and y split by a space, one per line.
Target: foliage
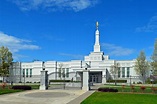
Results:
107 90
114 71
118 81
154 59
142 66
120 98
22 87
5 61
154 90
142 88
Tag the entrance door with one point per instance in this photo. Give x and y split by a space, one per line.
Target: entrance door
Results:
95 77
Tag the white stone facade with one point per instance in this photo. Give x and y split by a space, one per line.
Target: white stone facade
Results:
99 66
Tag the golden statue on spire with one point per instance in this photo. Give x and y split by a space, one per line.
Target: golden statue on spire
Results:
97 24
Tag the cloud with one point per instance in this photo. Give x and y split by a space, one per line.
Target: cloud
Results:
116 50
72 55
16 44
150 27
53 5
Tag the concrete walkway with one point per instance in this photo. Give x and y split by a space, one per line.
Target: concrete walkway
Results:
41 97
54 96
82 97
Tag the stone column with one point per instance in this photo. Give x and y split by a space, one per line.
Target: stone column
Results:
104 76
85 85
43 80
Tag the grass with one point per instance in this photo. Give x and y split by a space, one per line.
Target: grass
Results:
120 98
8 89
128 88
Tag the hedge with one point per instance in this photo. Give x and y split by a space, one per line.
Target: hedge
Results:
107 90
21 87
60 80
118 81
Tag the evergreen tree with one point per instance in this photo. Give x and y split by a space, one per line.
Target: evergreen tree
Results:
142 66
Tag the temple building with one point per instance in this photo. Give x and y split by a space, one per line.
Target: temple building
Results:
101 68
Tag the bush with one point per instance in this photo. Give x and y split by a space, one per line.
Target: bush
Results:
20 82
60 80
22 87
142 88
132 87
118 81
139 82
107 90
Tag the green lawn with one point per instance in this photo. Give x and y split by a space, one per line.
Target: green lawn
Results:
128 88
7 90
120 98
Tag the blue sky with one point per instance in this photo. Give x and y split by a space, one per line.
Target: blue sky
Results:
64 30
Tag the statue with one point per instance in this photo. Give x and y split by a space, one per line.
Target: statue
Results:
97 24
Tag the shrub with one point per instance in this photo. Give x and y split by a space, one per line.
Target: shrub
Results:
60 80
142 88
123 87
118 81
107 90
3 85
22 87
20 82
132 87
139 82
154 89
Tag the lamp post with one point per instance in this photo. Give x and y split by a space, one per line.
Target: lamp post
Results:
130 80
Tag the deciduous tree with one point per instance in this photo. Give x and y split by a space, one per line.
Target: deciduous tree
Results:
142 66
5 61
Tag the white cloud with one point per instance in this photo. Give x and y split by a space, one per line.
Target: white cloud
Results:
72 55
16 44
150 27
116 50
76 5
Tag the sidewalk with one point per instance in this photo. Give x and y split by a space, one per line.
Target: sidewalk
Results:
82 97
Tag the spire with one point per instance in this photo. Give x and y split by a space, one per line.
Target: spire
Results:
97 44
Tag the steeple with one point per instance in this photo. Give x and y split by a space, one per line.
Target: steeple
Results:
97 44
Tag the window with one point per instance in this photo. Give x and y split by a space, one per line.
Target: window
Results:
67 72
128 71
59 72
63 74
119 72
26 72
30 72
123 71
23 72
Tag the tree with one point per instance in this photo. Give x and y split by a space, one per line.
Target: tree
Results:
114 71
142 66
5 61
154 59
